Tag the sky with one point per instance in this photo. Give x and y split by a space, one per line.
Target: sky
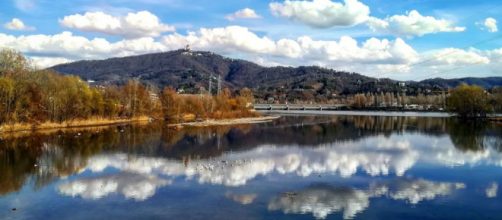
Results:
398 39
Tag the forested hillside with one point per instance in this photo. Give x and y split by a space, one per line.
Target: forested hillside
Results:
189 71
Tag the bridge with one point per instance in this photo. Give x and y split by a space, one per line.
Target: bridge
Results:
306 107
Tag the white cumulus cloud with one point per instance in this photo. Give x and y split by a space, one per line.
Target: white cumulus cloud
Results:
44 62
322 13
412 24
455 56
133 25
246 13
18 25
226 40
234 39
63 47
491 25
345 53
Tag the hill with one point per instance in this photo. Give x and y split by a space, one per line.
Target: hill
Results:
191 70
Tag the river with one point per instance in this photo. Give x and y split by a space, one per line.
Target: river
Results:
297 167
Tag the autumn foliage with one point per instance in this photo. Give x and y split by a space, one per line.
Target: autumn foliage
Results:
188 107
469 101
30 96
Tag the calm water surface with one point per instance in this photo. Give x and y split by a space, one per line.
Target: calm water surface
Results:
298 167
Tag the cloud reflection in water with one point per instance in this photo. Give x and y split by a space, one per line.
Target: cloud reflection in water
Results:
492 190
322 200
235 169
374 156
244 199
132 186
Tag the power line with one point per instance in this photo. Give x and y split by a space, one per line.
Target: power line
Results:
443 55
496 8
447 71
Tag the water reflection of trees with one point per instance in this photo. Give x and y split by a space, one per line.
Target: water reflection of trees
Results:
475 136
471 135
17 159
45 157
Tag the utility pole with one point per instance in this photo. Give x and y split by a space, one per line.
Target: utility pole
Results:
210 84
376 93
219 84
443 97
210 91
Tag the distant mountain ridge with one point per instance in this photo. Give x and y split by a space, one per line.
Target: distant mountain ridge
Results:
191 70
486 82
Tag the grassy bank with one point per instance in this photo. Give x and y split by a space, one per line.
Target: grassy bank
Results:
234 121
16 127
21 129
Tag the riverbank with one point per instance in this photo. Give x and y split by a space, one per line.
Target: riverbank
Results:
19 127
361 113
19 130
220 122
497 119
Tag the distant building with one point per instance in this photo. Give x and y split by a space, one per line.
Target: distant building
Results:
187 50
154 96
413 107
270 100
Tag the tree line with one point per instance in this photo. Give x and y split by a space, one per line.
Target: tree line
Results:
388 99
28 95
467 101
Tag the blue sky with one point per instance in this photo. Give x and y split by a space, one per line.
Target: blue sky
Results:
405 39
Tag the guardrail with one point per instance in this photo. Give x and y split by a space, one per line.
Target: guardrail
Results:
270 107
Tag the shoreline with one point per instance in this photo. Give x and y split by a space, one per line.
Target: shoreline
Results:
97 122
361 113
221 122
25 127
495 117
